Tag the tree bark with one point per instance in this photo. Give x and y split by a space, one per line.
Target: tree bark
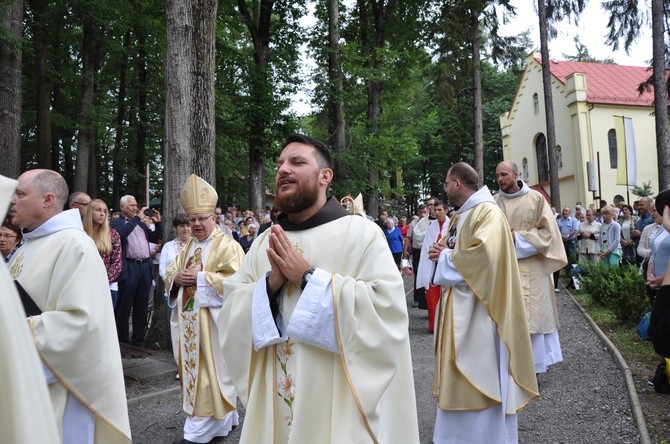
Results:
42 84
554 186
660 94
86 136
62 134
189 83
189 110
10 93
259 24
381 12
117 172
374 130
478 135
337 96
142 114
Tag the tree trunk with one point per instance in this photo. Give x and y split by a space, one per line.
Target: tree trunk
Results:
42 84
478 135
189 84
203 132
660 94
62 134
374 44
374 130
337 96
10 94
142 119
189 112
117 173
86 136
554 188
259 24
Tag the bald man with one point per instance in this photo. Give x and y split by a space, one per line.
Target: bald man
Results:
540 252
73 326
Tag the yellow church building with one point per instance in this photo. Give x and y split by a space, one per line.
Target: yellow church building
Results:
601 120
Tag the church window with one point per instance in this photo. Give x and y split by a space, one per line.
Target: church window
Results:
525 168
611 142
542 158
536 104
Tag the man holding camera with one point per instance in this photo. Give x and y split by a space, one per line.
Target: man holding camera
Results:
136 275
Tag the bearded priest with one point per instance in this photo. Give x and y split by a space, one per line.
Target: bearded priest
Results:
317 320
195 285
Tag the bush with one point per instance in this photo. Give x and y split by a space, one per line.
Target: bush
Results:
621 290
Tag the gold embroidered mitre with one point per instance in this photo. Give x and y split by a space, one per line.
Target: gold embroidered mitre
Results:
197 196
358 205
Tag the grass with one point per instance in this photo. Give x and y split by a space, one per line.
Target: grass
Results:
623 337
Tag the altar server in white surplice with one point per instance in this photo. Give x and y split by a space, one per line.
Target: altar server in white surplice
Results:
540 252
26 410
317 321
195 287
60 268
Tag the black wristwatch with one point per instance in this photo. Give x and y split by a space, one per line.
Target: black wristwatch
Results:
306 277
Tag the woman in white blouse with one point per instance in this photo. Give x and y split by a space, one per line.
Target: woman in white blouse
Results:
172 249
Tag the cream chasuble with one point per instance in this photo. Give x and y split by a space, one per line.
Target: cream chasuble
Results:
25 409
356 389
60 268
477 311
206 386
530 216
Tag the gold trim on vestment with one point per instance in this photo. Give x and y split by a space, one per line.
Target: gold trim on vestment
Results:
475 244
207 383
340 347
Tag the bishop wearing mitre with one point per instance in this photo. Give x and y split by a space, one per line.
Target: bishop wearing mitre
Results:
195 286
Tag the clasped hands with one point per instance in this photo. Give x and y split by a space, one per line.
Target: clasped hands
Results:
187 277
435 250
287 263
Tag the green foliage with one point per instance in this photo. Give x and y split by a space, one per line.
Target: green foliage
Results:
583 54
620 289
643 191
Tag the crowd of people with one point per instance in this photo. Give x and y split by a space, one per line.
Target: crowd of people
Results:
263 309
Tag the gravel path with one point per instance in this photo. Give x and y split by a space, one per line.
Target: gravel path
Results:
583 399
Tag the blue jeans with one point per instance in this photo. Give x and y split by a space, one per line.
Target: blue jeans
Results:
115 297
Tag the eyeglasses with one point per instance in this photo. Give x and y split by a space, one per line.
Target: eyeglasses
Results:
446 183
7 236
83 204
201 219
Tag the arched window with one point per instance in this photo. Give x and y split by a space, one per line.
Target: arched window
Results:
536 104
611 142
525 168
542 158
559 155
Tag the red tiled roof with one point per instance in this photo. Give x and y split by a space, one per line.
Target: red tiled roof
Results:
607 84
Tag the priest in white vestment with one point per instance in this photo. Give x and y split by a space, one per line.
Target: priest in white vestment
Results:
317 320
25 408
540 252
60 269
194 282
484 370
